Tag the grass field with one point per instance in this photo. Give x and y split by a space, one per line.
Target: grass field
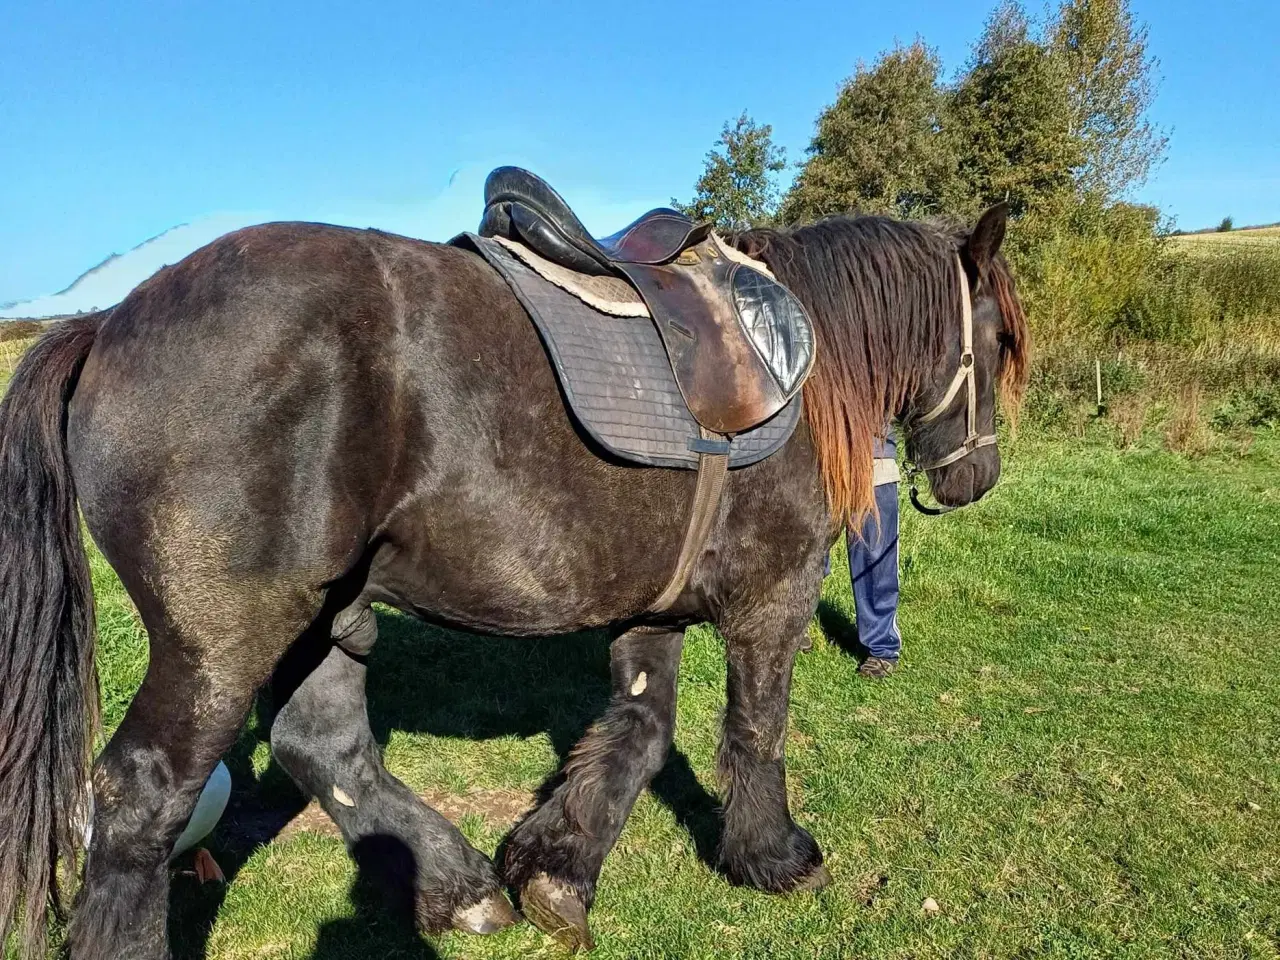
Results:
1249 236
10 352
1079 757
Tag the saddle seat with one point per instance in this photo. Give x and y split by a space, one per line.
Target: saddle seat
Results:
739 342
517 200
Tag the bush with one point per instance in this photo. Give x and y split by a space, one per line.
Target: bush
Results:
1163 315
1185 431
1254 407
1226 225
1077 269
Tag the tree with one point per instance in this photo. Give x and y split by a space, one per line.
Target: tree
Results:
1227 225
738 186
1111 82
881 147
1011 117
1048 115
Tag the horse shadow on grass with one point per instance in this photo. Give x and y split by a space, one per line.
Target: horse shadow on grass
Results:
428 679
841 630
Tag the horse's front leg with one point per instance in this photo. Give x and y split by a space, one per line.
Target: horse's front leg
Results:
762 846
554 856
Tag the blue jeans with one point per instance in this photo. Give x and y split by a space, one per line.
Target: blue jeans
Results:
873 567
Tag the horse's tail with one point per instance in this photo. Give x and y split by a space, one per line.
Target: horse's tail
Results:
48 684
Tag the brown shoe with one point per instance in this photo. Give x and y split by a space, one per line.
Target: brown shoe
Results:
877 668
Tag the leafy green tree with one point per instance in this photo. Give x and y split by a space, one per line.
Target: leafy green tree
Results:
1111 81
1050 116
1227 225
738 187
1012 119
882 146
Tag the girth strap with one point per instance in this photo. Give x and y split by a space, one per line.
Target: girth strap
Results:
713 466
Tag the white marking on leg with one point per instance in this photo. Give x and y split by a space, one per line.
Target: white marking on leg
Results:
342 796
642 681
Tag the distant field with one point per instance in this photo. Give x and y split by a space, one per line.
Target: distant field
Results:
10 352
1252 237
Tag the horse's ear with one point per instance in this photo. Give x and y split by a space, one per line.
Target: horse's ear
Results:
984 243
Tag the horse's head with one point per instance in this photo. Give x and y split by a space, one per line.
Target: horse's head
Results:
888 299
951 421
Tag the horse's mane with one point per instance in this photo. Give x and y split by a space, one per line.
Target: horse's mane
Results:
884 296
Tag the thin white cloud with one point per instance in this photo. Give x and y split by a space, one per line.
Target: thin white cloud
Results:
110 281
456 208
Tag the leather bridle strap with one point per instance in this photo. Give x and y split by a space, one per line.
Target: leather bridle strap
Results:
965 379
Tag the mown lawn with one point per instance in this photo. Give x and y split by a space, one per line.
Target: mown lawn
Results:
1079 757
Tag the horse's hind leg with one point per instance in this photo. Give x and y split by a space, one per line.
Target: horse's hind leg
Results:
200 684
321 737
555 855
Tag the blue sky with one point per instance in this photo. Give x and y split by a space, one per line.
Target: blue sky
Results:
121 120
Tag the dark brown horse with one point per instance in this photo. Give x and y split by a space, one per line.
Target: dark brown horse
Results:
299 420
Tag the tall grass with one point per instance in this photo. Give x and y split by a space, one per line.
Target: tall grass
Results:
1166 317
11 352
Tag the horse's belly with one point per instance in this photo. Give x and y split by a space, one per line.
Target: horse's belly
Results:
518 554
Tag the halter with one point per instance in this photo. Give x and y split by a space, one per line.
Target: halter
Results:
966 378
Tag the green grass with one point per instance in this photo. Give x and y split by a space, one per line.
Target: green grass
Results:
1078 756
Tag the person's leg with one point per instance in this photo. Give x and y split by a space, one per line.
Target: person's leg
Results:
873 568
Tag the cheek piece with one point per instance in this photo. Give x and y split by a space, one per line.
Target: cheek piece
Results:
965 379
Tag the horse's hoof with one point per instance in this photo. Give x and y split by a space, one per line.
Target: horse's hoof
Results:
818 878
490 915
556 909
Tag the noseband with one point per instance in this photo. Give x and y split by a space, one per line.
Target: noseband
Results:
966 379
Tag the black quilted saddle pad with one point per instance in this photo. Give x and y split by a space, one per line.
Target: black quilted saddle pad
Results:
616 377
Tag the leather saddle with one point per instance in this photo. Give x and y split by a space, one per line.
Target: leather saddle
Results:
739 342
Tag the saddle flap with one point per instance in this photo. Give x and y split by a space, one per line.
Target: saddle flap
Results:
740 348
615 372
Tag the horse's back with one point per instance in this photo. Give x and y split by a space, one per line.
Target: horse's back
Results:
251 394
290 394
